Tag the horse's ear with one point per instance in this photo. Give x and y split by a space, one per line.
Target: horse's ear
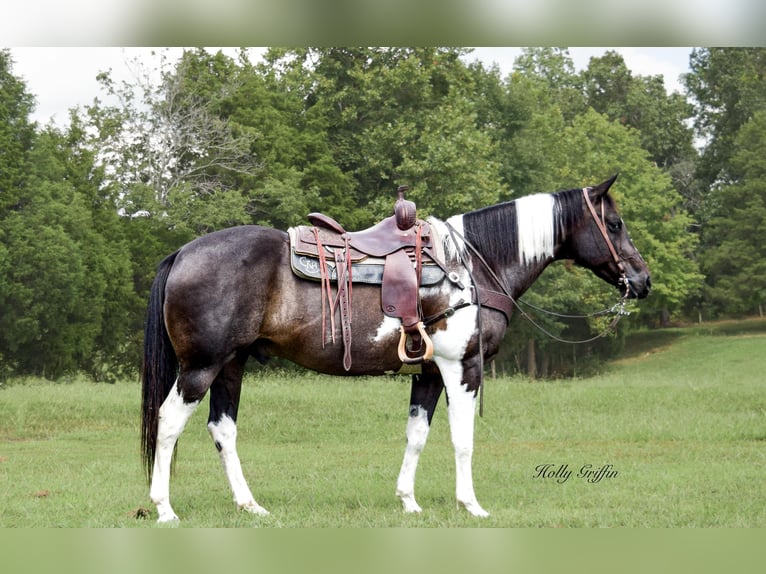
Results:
600 189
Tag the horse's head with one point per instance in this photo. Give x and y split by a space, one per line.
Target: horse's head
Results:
601 243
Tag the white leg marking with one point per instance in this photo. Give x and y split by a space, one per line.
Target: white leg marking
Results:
461 410
174 413
417 434
224 434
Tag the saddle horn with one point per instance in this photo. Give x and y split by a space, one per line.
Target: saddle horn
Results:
404 210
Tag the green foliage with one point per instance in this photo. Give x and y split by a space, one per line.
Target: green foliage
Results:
648 202
583 153
16 132
727 86
728 91
67 280
210 141
66 294
641 103
734 256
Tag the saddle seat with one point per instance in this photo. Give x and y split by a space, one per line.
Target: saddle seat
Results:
380 240
396 244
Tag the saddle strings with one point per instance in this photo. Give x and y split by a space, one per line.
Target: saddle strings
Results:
325 283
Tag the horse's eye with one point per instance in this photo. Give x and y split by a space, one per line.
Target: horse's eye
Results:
614 226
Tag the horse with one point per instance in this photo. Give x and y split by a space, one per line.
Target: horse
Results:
231 294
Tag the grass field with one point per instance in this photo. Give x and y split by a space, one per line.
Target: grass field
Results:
681 419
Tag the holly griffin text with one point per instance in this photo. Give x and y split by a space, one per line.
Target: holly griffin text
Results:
562 472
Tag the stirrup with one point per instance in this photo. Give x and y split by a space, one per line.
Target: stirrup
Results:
426 356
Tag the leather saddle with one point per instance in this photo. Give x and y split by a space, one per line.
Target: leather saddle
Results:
399 253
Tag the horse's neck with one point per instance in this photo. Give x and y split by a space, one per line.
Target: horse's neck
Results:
519 277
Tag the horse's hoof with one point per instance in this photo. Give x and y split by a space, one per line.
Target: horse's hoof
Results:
254 508
410 506
475 509
168 518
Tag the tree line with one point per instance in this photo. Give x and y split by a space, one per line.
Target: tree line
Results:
88 210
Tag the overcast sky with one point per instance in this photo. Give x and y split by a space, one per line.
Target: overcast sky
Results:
62 78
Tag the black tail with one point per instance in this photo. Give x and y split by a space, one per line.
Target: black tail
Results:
160 365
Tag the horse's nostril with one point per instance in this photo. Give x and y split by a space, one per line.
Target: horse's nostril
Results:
648 283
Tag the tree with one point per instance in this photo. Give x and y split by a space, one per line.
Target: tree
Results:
16 133
734 254
65 284
529 150
587 151
727 85
168 148
641 102
57 307
298 173
87 212
652 208
400 115
607 83
554 69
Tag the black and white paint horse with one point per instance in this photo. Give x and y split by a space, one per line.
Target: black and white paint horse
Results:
231 294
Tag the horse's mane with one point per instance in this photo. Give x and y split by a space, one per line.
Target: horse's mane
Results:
525 229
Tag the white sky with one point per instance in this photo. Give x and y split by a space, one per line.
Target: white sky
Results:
62 78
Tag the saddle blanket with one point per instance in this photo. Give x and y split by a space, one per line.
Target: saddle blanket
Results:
363 270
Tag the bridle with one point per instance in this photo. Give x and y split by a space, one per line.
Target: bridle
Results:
601 225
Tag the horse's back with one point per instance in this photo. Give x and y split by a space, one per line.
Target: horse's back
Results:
244 240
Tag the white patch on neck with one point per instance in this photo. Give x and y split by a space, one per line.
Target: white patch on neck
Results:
534 222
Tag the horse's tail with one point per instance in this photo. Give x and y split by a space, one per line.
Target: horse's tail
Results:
160 365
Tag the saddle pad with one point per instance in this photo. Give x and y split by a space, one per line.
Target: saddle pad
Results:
369 270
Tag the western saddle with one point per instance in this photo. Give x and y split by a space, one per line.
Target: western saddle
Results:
390 254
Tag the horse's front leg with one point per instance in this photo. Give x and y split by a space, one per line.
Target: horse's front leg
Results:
461 379
426 390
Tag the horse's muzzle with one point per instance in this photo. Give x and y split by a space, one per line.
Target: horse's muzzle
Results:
637 287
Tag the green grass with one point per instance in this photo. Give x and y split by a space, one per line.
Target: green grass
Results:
682 419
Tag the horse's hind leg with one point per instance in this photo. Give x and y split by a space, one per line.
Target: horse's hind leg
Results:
222 424
426 389
181 402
